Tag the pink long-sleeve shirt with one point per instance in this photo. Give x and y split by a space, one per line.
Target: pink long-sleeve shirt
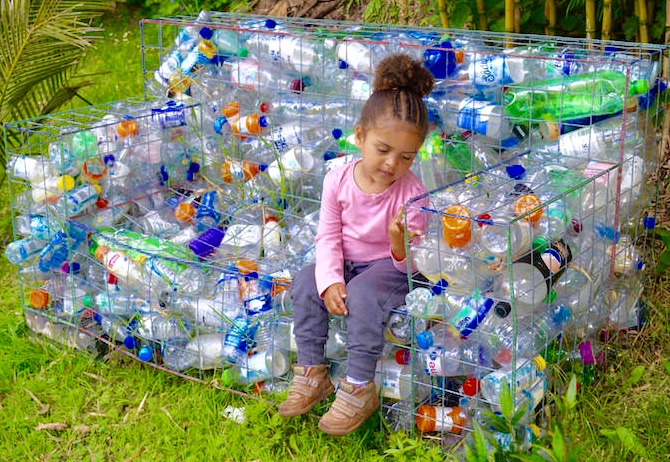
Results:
354 225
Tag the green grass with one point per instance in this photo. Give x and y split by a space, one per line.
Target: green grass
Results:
59 404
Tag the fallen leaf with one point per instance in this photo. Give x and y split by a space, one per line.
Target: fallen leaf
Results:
55 426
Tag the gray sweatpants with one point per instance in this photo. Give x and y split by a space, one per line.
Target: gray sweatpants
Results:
374 289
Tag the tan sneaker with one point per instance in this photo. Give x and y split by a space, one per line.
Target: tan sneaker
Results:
311 384
352 406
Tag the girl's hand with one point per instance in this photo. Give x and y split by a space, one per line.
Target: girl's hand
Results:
334 297
397 235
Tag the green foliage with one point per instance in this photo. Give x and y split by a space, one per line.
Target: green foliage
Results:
43 44
664 257
555 446
627 439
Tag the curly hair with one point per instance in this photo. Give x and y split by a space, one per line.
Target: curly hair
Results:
400 83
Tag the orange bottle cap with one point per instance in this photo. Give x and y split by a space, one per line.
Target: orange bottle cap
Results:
184 212
127 127
246 266
527 203
456 226
39 298
549 130
100 252
426 417
231 109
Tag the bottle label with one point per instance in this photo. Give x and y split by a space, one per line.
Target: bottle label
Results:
435 364
490 71
390 379
596 169
169 116
243 74
444 422
474 115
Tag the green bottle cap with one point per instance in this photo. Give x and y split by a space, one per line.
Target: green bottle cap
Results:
87 300
541 243
551 296
638 87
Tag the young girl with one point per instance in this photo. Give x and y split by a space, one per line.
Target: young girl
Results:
360 270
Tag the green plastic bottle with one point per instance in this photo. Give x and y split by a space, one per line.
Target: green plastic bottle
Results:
571 97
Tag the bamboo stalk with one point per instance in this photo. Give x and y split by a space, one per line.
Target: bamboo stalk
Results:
606 33
590 6
642 17
442 9
509 21
517 16
481 14
550 14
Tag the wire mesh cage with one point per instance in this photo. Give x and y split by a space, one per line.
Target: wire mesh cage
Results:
171 227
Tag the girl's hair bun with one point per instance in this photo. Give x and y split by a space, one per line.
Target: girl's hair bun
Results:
402 72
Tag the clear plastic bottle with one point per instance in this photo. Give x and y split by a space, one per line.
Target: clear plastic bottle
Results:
157 327
118 329
19 252
295 53
484 117
239 340
358 56
78 200
431 418
527 372
398 380
114 303
257 76
215 312
131 276
33 169
264 364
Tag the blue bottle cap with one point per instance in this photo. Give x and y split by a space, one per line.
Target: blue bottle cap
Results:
97 317
337 133
206 33
516 171
424 339
341 64
109 160
329 155
145 353
509 143
649 222
130 342
263 121
562 314
440 286
219 123
270 23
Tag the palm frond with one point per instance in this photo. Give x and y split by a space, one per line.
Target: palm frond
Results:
43 43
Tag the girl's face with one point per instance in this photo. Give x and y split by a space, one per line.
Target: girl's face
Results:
388 151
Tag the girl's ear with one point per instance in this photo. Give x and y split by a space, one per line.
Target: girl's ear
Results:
359 136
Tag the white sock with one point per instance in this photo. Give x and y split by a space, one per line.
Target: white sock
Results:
358 383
